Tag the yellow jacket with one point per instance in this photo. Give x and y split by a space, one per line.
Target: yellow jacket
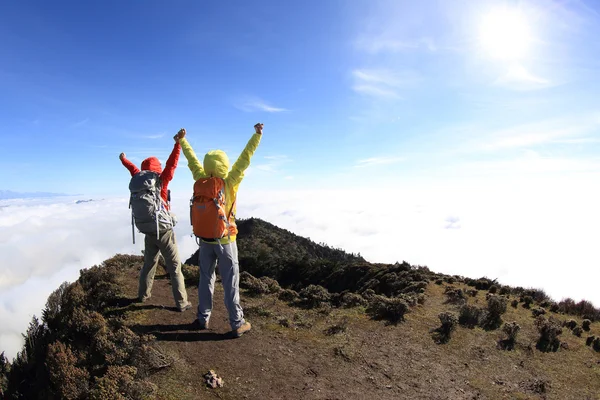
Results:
216 163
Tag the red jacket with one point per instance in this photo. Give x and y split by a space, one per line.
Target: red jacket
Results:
152 164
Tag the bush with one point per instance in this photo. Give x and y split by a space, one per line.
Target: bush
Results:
455 296
114 384
514 303
549 330
554 307
439 281
191 274
472 292
253 285
538 311
469 316
442 334
484 283
505 290
288 295
350 299
68 379
585 324
390 309
314 296
590 340
510 329
596 344
571 324
493 316
493 289
527 301
577 331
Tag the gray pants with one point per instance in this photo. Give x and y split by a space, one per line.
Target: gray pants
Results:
167 246
226 256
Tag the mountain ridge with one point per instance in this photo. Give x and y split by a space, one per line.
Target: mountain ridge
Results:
327 324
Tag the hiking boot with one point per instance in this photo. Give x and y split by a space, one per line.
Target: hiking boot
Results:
199 326
185 308
245 327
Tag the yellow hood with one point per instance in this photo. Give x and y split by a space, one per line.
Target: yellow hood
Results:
216 163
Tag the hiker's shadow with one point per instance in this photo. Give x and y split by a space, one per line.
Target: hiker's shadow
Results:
173 333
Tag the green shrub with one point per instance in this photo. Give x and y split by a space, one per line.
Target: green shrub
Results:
549 330
585 325
114 384
455 296
350 299
191 274
577 331
67 378
590 340
469 315
571 324
254 286
514 303
288 295
538 311
527 301
493 315
510 329
314 296
390 309
442 334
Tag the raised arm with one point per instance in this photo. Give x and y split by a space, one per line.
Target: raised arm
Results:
128 164
243 162
169 171
193 164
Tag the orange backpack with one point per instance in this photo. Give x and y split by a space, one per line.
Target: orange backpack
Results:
207 209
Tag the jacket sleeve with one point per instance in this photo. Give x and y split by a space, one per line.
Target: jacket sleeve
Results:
243 162
169 170
130 166
194 165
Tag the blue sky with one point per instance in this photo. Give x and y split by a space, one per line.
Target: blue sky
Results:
392 92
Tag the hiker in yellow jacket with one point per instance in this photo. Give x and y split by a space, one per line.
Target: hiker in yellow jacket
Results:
223 250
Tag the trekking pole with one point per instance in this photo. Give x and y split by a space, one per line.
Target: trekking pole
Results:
132 229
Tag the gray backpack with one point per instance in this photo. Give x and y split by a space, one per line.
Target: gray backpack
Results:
149 212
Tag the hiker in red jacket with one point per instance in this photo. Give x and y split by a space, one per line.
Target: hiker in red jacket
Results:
163 242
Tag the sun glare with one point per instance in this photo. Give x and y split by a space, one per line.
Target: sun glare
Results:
505 34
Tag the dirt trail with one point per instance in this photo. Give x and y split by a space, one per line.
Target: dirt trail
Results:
289 354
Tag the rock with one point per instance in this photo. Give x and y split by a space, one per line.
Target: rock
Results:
213 380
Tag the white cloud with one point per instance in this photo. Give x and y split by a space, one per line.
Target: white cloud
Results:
46 242
522 235
517 77
383 44
256 104
532 134
272 164
155 136
367 162
382 83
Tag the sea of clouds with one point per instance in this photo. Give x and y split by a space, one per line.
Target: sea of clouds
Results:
534 239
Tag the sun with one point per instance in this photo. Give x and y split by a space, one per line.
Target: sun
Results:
505 34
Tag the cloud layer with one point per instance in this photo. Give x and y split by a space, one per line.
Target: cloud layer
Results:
531 236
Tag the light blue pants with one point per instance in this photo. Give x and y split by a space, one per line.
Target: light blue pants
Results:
226 257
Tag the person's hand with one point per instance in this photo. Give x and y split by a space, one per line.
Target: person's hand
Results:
258 128
121 156
181 134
